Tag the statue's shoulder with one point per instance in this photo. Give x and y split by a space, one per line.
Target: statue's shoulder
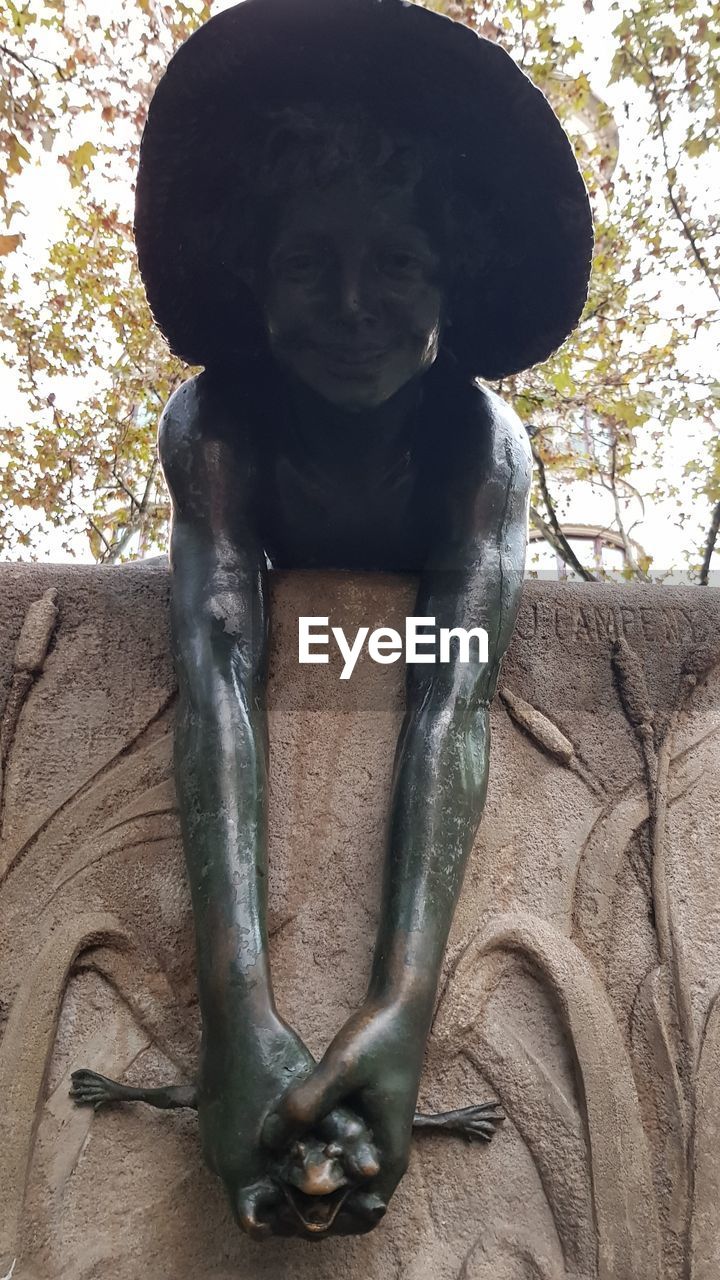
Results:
210 408
179 425
202 407
499 426
205 438
489 442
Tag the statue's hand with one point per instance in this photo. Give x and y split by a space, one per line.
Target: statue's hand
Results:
239 1085
241 1077
375 1061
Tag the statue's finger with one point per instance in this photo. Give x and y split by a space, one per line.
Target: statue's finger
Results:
250 1223
349 1139
251 1205
307 1102
343 1125
392 1133
362 1211
363 1160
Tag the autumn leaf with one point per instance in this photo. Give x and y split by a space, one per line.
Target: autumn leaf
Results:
8 243
80 162
17 155
20 18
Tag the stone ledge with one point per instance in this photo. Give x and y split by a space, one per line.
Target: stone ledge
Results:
555 999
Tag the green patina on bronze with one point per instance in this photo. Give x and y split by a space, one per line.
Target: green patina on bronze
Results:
342 238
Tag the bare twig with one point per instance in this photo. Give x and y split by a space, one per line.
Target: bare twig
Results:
710 546
10 53
134 504
558 540
683 221
523 34
34 57
135 521
627 544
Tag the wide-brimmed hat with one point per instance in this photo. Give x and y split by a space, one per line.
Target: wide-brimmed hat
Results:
416 70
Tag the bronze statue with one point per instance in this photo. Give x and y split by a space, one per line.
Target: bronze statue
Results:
312 1178
347 211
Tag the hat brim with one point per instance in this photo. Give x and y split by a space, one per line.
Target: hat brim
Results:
414 68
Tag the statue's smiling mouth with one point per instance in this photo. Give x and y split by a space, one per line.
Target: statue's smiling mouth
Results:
315 1214
354 357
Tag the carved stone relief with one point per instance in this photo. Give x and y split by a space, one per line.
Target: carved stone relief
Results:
581 981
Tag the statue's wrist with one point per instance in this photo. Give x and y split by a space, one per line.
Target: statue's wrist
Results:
235 1009
235 1040
412 991
406 970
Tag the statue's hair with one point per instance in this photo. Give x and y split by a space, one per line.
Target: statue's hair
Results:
313 146
308 146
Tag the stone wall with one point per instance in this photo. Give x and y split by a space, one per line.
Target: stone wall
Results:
581 980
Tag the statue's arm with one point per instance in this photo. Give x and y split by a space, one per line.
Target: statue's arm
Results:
250 1056
219 629
473 578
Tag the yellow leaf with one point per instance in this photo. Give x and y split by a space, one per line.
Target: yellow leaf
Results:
80 161
17 155
696 146
21 18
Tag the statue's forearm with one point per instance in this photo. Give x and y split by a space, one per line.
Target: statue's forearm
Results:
438 797
219 635
441 771
220 770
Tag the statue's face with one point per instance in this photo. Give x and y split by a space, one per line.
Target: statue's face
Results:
353 299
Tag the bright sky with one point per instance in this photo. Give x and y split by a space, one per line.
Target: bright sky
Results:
45 189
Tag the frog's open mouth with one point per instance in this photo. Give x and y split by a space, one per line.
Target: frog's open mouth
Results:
315 1213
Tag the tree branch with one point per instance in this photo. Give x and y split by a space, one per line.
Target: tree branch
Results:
10 53
558 540
669 169
134 504
627 545
547 532
710 546
135 521
523 34
16 57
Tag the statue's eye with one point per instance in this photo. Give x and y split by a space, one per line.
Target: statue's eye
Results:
300 267
401 264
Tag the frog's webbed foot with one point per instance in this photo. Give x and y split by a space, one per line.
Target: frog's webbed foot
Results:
473 1122
89 1089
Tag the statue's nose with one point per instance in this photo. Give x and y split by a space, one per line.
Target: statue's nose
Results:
356 300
